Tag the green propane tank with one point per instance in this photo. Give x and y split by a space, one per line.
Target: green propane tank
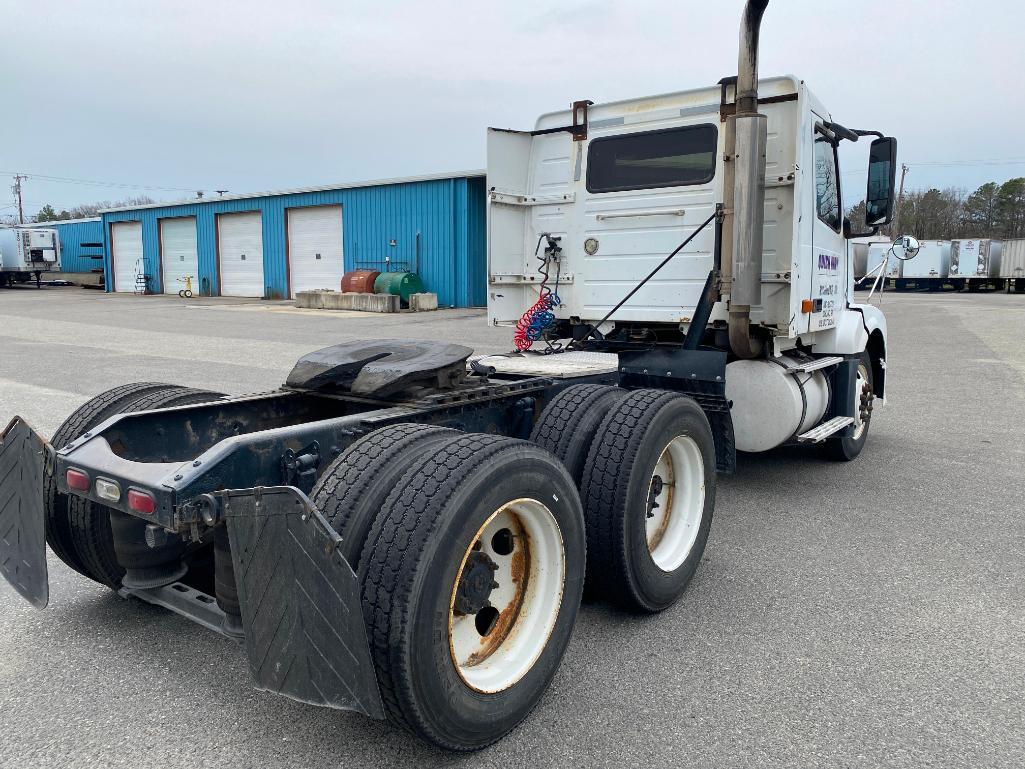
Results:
401 284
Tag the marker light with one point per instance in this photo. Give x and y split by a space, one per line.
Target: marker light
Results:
108 490
141 502
77 480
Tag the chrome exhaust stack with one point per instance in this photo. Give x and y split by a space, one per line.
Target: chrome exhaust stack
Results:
746 195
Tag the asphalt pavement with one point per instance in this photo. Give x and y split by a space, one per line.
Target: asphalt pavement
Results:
864 614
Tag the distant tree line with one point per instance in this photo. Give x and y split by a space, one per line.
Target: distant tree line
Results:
992 211
49 214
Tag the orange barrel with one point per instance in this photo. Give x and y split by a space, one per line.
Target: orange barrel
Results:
359 281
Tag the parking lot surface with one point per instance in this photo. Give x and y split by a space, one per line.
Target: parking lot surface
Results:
860 615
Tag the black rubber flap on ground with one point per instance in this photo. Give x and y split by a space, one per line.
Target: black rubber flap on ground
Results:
23 458
301 610
380 367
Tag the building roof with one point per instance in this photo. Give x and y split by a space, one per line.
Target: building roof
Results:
474 174
37 225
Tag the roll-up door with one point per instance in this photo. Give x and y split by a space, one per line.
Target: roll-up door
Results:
178 253
240 251
126 252
315 248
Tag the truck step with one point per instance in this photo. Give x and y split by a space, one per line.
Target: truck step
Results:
820 432
815 365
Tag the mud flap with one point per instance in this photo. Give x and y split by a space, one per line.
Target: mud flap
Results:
300 601
23 460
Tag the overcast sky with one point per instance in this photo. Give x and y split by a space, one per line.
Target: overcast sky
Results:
252 95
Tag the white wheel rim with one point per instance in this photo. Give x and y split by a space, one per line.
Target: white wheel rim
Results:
862 386
677 489
530 579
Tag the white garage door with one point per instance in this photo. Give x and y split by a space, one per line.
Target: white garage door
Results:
240 250
126 250
178 253
315 248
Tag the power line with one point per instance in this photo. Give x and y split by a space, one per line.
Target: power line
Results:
949 163
95 183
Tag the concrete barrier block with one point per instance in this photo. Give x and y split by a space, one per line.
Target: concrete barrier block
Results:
332 300
310 300
423 302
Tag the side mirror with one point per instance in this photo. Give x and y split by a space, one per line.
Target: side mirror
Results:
906 247
882 174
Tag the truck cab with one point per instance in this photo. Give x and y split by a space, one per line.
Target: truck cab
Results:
645 173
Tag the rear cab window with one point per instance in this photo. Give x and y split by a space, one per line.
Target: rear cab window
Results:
672 157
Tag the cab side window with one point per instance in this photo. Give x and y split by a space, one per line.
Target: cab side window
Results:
827 190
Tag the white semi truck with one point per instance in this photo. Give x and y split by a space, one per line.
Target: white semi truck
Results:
26 252
404 530
590 203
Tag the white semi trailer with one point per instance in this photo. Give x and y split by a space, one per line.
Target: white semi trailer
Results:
27 252
975 263
1012 264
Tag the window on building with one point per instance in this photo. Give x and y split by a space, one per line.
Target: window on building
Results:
673 157
827 191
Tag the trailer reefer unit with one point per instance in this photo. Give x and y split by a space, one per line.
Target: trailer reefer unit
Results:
973 263
929 268
401 529
27 252
1012 264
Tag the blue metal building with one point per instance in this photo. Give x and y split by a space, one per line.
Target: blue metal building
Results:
81 243
275 244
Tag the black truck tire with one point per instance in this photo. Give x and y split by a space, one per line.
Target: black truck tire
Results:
352 490
91 542
645 532
85 417
569 422
845 449
432 568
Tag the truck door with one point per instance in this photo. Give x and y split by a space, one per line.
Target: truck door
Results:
829 262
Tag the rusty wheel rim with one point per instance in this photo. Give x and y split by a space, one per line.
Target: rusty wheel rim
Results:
675 504
497 631
863 404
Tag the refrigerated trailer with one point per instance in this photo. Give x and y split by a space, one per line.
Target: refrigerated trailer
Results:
1012 264
404 529
930 267
975 263
27 252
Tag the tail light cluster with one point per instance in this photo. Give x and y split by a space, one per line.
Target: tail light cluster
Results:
139 501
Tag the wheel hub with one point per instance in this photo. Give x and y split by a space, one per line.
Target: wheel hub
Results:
476 583
654 491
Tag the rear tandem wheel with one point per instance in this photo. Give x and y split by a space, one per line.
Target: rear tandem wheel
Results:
79 531
471 579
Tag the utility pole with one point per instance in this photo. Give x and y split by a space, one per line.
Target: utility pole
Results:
16 189
900 196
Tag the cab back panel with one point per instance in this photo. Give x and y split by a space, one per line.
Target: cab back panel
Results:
629 231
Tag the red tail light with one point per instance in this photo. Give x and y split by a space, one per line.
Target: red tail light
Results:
141 502
77 480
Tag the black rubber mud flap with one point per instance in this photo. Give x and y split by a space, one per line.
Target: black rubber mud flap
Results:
301 611
24 456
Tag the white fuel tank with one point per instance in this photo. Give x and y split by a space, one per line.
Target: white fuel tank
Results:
770 405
